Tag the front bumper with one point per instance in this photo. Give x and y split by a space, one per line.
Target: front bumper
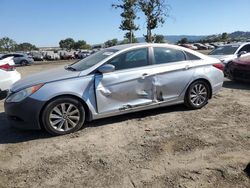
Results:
24 114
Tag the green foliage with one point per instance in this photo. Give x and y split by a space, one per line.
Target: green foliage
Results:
128 17
159 39
68 43
81 44
125 41
7 44
110 43
224 37
25 47
183 41
156 12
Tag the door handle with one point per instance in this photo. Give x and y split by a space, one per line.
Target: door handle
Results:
145 75
186 67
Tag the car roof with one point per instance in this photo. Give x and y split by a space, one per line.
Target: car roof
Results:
126 47
136 45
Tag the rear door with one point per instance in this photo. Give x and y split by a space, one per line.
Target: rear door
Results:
128 86
173 73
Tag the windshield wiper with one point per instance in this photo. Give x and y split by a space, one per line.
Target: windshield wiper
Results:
70 68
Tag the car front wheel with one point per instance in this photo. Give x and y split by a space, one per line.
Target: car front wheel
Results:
197 95
63 116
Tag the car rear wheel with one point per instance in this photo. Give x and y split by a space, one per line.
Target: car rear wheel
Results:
63 116
24 63
197 95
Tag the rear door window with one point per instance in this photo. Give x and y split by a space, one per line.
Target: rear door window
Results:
168 55
191 56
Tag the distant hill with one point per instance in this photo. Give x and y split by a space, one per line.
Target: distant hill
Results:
237 35
176 38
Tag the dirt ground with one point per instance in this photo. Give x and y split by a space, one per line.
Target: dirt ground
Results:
167 147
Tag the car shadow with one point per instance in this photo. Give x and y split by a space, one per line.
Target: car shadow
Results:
137 115
236 85
10 135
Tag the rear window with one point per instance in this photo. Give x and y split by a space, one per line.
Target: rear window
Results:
191 56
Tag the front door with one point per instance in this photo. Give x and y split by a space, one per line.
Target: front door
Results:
129 86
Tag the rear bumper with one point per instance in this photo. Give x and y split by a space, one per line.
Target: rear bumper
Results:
25 114
10 78
216 88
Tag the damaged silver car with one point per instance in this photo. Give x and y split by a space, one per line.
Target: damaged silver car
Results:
116 80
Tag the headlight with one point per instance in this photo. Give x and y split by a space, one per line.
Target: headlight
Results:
21 95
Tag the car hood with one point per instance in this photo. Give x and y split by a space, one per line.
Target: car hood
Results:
224 58
44 77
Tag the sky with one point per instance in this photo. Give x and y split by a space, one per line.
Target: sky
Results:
46 22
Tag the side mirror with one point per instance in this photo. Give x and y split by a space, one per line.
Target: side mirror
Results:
106 68
241 53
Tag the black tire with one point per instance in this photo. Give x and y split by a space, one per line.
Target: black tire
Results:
24 63
202 95
50 116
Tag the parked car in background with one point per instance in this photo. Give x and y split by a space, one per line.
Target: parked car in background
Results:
239 69
37 56
83 54
229 52
51 55
200 46
117 80
189 46
66 55
209 46
8 76
8 60
19 58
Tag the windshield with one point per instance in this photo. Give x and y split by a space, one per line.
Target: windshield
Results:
225 50
92 59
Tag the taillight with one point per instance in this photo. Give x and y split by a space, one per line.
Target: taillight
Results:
7 67
219 66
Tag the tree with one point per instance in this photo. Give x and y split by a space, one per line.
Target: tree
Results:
7 44
128 17
25 47
156 12
159 39
81 44
224 37
183 41
125 41
110 43
67 43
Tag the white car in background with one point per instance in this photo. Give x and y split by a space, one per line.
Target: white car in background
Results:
230 52
8 76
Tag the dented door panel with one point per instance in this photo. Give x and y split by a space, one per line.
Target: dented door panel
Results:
171 80
123 90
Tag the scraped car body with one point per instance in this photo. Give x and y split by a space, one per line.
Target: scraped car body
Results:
139 86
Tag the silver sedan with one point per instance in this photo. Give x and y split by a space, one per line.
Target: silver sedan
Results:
117 80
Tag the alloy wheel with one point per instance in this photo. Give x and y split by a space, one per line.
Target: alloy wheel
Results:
198 94
64 117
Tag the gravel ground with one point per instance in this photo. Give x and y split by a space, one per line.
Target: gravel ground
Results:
166 147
